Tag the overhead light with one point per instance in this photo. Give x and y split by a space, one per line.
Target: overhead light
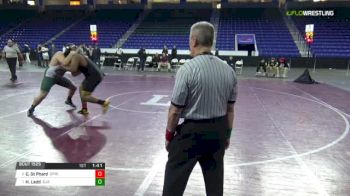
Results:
74 2
218 6
31 2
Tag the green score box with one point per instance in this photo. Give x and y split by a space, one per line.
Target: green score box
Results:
100 182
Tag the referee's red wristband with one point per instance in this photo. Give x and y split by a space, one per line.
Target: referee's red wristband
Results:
169 135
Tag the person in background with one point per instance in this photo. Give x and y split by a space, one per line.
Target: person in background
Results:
272 67
174 52
283 66
155 60
262 64
64 47
26 52
90 52
45 55
164 62
142 55
120 56
165 49
96 55
217 52
11 53
231 63
83 50
52 50
39 55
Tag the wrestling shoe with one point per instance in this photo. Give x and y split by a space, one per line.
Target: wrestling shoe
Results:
30 112
105 106
83 112
69 102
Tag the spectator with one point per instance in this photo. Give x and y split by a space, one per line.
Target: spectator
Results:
272 67
174 53
231 63
52 51
90 50
217 52
283 66
120 56
165 50
39 55
164 62
262 64
142 55
45 55
155 60
64 48
26 52
96 55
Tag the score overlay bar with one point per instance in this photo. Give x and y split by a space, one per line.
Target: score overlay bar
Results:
60 174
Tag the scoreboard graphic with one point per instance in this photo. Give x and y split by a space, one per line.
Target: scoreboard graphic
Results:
309 33
60 174
93 33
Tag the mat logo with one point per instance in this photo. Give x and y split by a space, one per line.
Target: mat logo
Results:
156 101
310 13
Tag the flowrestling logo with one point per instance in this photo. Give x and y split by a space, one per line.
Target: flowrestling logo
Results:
310 13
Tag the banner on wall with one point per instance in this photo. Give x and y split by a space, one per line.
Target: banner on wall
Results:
246 39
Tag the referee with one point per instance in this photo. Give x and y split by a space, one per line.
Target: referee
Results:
11 52
204 95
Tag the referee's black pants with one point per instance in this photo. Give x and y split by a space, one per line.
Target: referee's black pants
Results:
12 66
202 142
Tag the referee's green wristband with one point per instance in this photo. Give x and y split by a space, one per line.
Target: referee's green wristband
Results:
228 133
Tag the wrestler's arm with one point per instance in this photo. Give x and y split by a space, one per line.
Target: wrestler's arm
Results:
71 62
57 58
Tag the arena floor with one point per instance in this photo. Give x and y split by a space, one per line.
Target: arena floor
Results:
289 139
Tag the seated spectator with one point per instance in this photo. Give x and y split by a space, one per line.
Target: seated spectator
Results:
174 53
165 50
155 60
283 66
272 67
262 64
164 62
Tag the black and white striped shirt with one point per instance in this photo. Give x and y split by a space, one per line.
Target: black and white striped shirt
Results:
203 87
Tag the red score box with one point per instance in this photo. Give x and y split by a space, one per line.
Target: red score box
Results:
100 173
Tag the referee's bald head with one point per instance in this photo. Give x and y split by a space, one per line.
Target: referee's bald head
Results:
203 33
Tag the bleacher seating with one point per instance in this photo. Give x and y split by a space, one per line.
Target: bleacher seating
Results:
271 33
111 25
41 28
10 18
331 35
169 27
